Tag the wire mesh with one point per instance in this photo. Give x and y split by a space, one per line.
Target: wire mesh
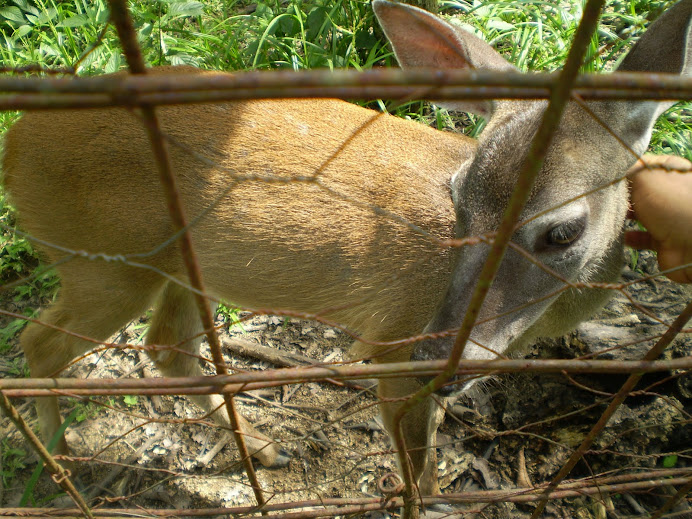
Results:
359 463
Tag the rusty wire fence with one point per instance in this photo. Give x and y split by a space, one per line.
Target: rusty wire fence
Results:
638 475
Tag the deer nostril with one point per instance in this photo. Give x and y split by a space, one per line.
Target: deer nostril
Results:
452 385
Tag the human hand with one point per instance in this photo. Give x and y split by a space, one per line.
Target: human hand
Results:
661 196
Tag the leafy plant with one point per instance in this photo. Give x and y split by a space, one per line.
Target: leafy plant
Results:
85 410
230 315
673 131
141 328
18 368
9 331
634 259
670 461
19 260
28 495
13 460
17 256
130 400
312 35
55 34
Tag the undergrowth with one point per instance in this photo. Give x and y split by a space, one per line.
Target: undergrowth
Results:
239 35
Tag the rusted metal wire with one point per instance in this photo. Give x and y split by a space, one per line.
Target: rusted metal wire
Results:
329 507
128 39
679 495
28 93
123 90
36 387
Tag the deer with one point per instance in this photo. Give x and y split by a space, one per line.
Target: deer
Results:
86 181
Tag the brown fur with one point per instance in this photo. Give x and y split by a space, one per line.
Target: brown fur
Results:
263 245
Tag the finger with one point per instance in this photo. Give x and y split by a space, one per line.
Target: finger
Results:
674 259
681 276
667 162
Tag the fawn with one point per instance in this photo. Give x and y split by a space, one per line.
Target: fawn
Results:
86 181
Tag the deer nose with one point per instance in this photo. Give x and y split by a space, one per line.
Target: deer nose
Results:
436 349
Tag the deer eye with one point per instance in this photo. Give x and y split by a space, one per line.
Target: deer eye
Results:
566 233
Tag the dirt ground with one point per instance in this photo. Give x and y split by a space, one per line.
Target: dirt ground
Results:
145 456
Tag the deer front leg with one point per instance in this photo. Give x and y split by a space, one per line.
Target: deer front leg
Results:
175 320
419 428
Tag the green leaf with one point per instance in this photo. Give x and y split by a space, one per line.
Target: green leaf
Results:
78 20
10 331
49 50
46 16
113 64
183 59
500 25
263 11
13 14
670 461
130 400
103 16
185 9
315 21
289 26
146 30
28 8
365 39
33 480
22 31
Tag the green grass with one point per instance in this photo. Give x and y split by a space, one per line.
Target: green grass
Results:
232 35
218 35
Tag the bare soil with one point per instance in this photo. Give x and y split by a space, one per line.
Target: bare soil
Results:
153 453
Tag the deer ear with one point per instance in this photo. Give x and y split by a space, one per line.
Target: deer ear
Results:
666 47
422 40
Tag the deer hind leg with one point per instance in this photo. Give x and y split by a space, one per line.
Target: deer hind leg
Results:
419 427
93 303
176 319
